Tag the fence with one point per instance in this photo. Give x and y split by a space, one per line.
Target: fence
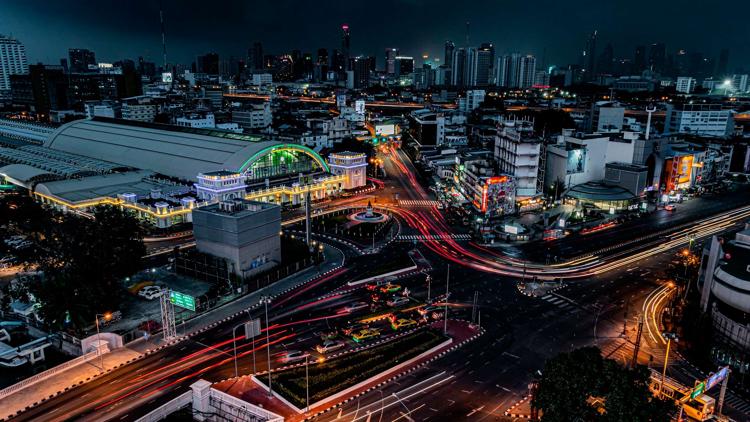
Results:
183 400
52 371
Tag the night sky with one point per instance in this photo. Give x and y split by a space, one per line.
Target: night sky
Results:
117 29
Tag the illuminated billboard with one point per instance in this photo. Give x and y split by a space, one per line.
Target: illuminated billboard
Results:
576 162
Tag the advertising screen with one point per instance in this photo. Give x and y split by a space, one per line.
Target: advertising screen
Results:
576 161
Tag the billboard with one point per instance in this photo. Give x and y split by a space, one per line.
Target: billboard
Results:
166 77
359 106
576 162
385 129
182 300
717 377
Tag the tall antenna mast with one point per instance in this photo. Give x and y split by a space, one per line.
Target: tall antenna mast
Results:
163 36
467 33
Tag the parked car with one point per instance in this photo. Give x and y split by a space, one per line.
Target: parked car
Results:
390 288
329 346
670 207
150 292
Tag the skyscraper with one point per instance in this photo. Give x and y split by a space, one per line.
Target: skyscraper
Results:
404 65
207 63
322 57
515 71
657 57
12 61
345 43
450 47
360 71
606 60
639 59
390 60
80 59
589 55
255 57
478 67
458 70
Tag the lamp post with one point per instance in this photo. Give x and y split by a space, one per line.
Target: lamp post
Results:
266 300
307 383
107 316
669 337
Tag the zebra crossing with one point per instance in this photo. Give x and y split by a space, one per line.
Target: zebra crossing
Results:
417 203
736 403
433 237
559 302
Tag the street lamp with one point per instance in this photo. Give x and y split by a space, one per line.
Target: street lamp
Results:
669 337
266 300
107 316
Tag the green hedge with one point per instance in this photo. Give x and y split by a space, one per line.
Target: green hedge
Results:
338 374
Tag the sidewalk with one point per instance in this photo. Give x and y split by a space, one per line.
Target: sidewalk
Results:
65 380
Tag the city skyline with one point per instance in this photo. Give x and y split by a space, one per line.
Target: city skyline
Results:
136 31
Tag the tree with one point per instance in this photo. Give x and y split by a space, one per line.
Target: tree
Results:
570 379
556 189
83 262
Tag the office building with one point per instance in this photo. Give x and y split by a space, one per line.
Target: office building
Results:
79 60
699 119
43 89
390 60
515 71
139 111
605 116
255 57
740 83
589 56
404 65
197 120
245 233
450 47
207 63
471 101
459 68
518 152
724 282
254 116
685 84
12 62
359 74
479 65
346 44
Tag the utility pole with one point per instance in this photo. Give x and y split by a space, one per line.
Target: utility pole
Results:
447 283
307 219
669 337
474 306
637 348
265 301
429 283
723 392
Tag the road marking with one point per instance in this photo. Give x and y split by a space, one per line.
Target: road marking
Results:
473 411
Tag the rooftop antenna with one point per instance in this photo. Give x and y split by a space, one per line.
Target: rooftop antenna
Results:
163 35
468 24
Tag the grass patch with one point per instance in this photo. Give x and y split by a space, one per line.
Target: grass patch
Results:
332 376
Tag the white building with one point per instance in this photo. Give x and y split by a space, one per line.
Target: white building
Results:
740 83
259 79
606 116
12 61
685 84
515 71
518 153
256 116
699 119
196 120
139 112
351 164
109 109
471 101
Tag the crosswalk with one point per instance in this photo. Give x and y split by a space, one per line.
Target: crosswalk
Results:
736 403
559 302
433 237
417 203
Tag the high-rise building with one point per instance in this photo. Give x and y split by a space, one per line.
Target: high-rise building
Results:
404 65
390 60
515 71
322 57
80 59
478 67
345 43
488 46
207 63
740 83
359 74
450 47
657 57
255 57
605 63
459 71
639 59
12 61
685 84
589 55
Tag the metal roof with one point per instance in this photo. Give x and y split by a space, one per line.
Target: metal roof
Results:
164 149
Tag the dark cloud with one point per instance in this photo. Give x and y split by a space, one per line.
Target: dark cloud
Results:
116 29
